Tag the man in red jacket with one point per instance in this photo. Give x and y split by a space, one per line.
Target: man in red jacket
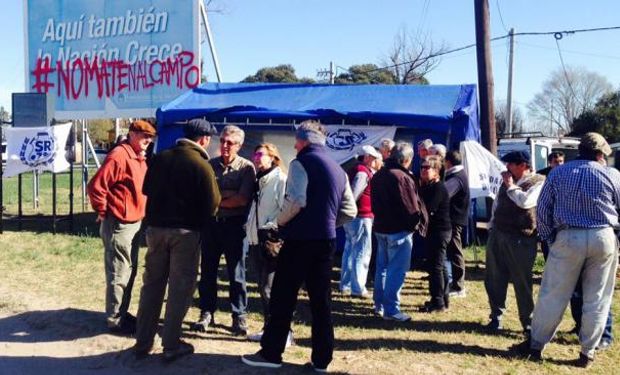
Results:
115 193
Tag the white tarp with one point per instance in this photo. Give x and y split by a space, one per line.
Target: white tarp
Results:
344 141
37 148
483 169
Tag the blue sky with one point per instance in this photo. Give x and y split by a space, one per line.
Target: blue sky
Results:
250 34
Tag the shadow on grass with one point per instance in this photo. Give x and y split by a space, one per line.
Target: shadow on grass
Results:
123 362
421 346
53 325
83 224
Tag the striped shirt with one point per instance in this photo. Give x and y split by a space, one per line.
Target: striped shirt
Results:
578 194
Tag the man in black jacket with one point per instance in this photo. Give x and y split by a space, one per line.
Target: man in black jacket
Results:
182 197
457 185
397 209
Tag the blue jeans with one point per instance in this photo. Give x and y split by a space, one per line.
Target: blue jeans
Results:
393 260
356 255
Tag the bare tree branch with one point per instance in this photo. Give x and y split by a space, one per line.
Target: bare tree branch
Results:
411 57
565 96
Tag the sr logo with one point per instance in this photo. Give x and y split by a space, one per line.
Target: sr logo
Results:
345 139
38 150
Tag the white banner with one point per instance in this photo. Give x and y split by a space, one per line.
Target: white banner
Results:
483 169
344 141
40 148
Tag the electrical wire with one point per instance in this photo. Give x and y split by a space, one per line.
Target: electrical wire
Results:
556 34
499 11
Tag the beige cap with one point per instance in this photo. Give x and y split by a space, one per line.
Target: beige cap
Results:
595 142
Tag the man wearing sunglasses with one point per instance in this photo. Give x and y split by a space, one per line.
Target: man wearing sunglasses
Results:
235 178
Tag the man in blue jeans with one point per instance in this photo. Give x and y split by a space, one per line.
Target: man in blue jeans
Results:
397 210
358 233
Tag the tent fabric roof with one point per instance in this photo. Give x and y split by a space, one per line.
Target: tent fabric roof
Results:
428 108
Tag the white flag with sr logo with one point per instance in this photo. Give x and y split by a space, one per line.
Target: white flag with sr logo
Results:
344 141
38 148
483 169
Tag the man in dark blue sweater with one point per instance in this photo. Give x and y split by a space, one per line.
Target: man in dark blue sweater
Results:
318 199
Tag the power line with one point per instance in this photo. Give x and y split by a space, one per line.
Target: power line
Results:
556 34
499 11
564 50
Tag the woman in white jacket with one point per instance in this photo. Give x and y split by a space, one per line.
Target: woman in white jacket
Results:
268 200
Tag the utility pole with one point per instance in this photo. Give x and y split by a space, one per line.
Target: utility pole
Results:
511 59
485 75
329 73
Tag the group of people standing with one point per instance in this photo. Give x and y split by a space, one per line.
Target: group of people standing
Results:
196 209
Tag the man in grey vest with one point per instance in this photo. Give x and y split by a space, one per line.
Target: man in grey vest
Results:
511 247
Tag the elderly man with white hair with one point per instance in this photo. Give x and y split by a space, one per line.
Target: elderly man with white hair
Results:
317 200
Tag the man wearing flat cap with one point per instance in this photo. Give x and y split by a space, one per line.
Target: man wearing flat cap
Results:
577 214
115 193
511 247
182 198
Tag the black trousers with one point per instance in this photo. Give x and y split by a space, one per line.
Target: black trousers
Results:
456 258
436 245
223 237
265 270
299 262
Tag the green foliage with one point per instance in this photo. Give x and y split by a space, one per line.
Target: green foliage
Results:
366 74
98 130
604 118
284 73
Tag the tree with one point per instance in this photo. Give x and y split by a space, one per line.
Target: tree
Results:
501 121
412 57
604 118
366 74
282 73
565 96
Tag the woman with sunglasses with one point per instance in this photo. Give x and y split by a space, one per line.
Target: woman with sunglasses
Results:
437 201
268 199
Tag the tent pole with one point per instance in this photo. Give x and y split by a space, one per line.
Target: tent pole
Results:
205 21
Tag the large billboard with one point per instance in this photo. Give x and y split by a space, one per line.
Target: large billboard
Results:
111 58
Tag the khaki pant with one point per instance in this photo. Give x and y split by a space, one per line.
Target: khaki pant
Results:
121 243
172 260
593 254
510 258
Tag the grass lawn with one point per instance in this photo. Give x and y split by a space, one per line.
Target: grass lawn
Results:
43 274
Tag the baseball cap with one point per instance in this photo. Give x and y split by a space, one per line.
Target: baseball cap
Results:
595 142
198 127
517 157
143 127
369 150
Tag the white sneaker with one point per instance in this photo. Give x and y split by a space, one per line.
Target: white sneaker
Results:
399 317
378 312
289 339
458 294
255 337
258 336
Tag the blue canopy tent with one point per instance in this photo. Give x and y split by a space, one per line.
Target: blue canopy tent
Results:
447 114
